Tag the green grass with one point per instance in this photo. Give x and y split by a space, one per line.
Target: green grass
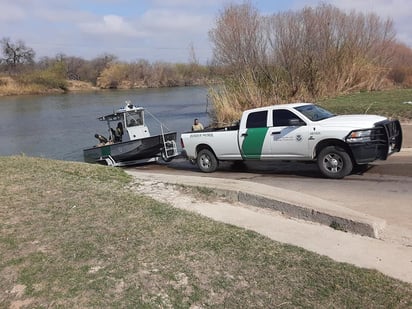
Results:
74 235
389 103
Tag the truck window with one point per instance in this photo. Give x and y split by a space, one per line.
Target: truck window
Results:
285 118
314 112
257 120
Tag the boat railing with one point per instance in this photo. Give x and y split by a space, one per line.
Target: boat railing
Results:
169 146
158 121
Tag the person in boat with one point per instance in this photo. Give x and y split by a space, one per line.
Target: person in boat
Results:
101 138
132 122
197 126
117 133
135 121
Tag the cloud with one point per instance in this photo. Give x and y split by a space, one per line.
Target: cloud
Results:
150 29
384 8
111 25
173 20
60 15
11 13
189 3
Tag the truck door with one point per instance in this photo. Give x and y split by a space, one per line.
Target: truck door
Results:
289 135
253 135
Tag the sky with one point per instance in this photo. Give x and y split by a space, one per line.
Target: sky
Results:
154 30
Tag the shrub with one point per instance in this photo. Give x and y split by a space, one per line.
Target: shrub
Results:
50 78
299 56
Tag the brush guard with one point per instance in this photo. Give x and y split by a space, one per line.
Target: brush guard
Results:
378 142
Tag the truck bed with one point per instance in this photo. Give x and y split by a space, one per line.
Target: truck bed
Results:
223 141
227 128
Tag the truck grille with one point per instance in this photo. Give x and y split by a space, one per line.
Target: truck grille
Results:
390 132
375 143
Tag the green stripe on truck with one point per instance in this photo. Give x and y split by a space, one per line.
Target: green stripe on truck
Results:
253 143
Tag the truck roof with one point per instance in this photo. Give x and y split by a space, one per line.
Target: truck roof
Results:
279 106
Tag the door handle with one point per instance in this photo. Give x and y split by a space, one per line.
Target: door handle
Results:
274 133
244 134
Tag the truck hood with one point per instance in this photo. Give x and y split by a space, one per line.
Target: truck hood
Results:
352 121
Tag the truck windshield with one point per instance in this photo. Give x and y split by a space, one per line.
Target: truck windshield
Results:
314 112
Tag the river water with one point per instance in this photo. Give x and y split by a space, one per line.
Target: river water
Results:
61 126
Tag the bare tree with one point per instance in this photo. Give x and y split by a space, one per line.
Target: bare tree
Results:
192 54
237 37
325 50
304 54
75 68
401 66
93 68
16 54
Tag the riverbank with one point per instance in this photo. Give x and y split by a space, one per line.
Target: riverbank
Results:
78 235
9 87
394 103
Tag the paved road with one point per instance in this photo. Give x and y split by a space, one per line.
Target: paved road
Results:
383 191
374 192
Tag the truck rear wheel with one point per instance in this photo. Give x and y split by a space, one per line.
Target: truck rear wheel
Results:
334 162
207 161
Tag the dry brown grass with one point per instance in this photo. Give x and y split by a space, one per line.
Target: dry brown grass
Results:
228 104
77 85
9 86
226 107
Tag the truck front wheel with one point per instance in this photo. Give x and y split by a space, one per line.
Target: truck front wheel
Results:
334 162
206 161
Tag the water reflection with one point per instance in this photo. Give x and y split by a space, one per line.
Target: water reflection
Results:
61 126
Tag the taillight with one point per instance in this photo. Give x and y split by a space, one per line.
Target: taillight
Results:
181 143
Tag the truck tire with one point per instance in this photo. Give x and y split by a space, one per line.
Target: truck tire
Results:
334 162
206 161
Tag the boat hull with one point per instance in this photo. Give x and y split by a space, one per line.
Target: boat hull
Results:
130 151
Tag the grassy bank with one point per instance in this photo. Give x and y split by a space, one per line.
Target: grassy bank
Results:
390 103
228 105
9 87
73 236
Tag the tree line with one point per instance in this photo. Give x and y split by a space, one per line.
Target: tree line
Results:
106 71
303 55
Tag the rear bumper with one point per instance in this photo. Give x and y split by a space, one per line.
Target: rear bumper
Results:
385 139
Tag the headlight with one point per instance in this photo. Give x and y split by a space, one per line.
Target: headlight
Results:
359 136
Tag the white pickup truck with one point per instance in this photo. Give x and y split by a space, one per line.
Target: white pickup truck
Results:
298 131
